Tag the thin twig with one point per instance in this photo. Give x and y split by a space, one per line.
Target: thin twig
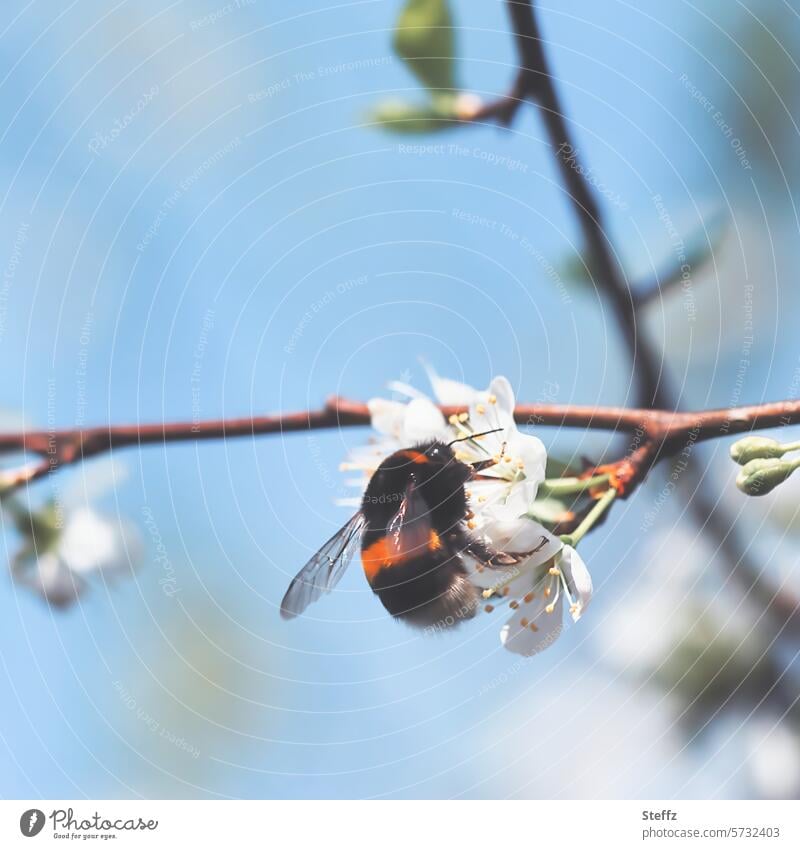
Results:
660 432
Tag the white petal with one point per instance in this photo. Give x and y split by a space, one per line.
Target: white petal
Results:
517 536
450 393
531 628
423 420
578 579
500 387
401 388
91 543
531 451
49 577
520 497
387 416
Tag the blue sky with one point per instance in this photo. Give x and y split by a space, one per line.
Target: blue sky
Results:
246 243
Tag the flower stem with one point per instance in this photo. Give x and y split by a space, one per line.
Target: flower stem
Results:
570 486
603 503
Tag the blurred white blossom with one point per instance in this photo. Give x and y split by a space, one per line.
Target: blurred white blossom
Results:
65 544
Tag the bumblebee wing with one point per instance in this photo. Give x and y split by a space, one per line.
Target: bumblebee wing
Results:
321 574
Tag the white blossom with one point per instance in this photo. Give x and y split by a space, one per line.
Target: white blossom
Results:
66 546
549 573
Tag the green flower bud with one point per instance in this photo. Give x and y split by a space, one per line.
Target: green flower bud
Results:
760 476
756 448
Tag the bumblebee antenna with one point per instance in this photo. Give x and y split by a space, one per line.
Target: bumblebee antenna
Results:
474 436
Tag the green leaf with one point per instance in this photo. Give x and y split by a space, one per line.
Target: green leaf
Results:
424 38
399 116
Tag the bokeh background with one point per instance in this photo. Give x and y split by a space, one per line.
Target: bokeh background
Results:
200 219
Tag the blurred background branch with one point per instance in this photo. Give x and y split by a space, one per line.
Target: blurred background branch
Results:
781 607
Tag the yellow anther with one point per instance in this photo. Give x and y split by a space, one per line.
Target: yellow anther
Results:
492 399
462 417
520 464
453 419
481 498
550 608
472 524
554 570
480 408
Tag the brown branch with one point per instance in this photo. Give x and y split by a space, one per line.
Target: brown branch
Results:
659 432
784 608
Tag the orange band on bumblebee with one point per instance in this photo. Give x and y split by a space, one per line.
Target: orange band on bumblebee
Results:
381 554
415 456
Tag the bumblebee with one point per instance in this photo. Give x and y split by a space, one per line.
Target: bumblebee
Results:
413 533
